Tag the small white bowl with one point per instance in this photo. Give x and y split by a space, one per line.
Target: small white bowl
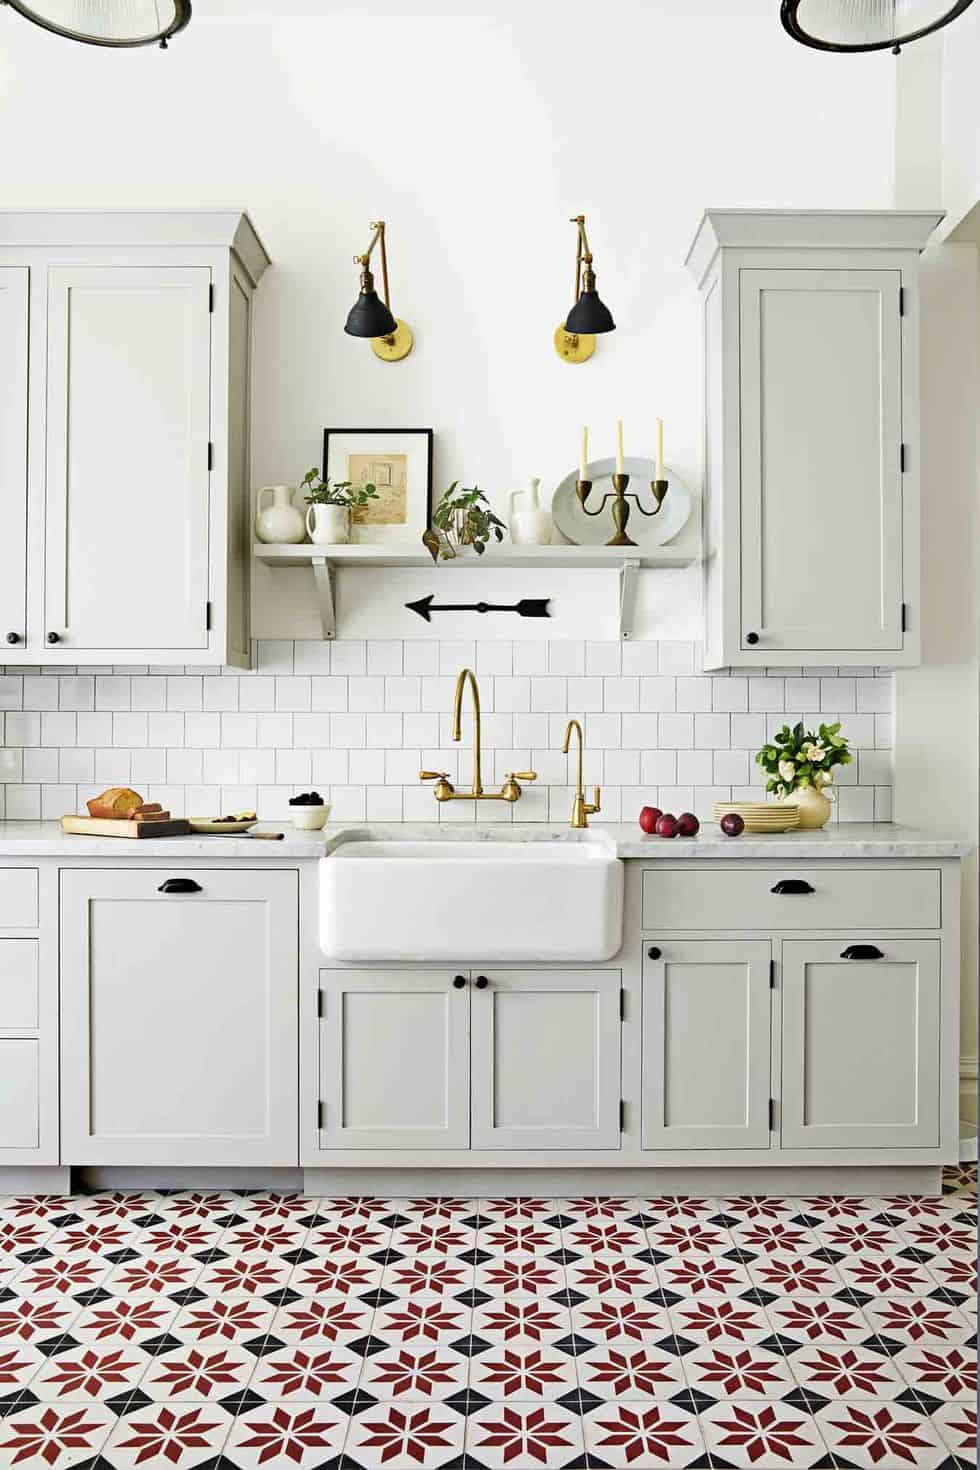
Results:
310 818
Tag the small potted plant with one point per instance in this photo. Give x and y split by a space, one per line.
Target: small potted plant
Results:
800 767
329 507
462 518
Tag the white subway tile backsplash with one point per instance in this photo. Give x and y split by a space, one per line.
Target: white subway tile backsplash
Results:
358 720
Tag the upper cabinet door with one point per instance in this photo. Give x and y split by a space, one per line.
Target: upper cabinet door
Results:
13 454
128 425
820 370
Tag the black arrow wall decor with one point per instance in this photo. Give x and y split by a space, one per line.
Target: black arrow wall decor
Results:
528 607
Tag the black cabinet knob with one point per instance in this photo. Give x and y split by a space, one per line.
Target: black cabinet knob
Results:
54 638
459 982
653 953
481 982
752 638
180 885
13 637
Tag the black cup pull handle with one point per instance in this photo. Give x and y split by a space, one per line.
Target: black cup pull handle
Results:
180 885
654 953
793 885
481 982
862 952
459 982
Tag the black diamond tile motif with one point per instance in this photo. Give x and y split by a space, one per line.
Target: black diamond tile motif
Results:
643 1222
758 1296
884 1345
467 1401
355 1401
563 1257
663 1297
740 1255
394 1222
283 1296
472 1297
378 1297
912 1253
14 1403
209 1256
366 1347
6 1295
126 1403
475 1256
912 1398
263 1345
805 1399
62 1342
651 1257
693 1400
118 1258
950 1297
726 1222
187 1297
853 1297
298 1256
830 1257
479 1222
580 1401
808 1222
39 1253
228 1222
782 1345
561 1222
574 1344
93 1297
164 1343
144 1222
886 1219
568 1297
677 1345
242 1400
470 1346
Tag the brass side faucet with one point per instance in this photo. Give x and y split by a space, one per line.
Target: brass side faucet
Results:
444 789
582 810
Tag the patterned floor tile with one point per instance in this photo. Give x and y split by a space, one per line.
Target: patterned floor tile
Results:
733 1370
714 1317
956 1425
422 1373
176 1435
847 1372
644 1435
316 1370
911 1320
527 1433
873 1435
195 1373
91 1372
405 1436
755 1434
818 1319
941 1370
627 1371
55 1435
286 1437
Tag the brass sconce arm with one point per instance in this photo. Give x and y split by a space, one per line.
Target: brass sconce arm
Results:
583 256
364 261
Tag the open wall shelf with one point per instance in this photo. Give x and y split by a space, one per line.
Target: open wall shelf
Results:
324 560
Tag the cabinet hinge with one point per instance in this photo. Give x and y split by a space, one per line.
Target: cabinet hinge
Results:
210 455
319 1005
207 617
211 297
622 1116
772 1114
319 1117
901 458
622 1004
901 300
905 617
772 974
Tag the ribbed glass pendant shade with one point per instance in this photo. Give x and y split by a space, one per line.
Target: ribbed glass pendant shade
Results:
590 315
108 22
866 25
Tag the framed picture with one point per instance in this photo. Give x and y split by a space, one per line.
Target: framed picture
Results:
398 462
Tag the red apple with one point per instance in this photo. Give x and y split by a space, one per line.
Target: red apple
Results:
649 817
688 825
667 825
732 825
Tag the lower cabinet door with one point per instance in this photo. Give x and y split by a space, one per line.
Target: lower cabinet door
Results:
706 1044
394 1059
546 1059
179 1017
20 1087
860 1043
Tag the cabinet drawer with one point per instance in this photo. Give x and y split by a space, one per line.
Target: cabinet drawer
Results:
19 1098
18 898
18 984
809 897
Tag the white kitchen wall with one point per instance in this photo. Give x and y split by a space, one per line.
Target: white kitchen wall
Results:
358 719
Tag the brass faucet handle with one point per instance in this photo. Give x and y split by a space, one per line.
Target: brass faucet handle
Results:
596 804
444 788
522 775
433 775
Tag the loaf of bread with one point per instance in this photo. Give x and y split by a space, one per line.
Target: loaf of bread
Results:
118 803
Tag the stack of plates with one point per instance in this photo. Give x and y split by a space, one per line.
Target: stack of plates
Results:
761 816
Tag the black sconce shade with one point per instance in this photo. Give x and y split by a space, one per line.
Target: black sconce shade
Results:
369 317
589 315
866 25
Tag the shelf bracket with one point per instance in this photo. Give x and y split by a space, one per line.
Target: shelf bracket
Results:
323 578
627 596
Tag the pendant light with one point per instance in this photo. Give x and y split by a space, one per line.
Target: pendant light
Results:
575 337
866 25
119 23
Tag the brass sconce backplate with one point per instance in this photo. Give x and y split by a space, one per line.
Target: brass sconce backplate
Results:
573 346
395 347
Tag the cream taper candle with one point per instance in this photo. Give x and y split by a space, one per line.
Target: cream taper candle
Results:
619 446
584 467
660 449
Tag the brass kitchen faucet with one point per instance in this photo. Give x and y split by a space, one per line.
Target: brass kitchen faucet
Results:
444 789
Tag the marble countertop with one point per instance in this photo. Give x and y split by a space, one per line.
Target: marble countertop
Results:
881 840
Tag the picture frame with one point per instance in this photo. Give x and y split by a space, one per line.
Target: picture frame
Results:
399 463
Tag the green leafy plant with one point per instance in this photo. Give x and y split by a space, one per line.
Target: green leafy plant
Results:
341 492
797 758
463 517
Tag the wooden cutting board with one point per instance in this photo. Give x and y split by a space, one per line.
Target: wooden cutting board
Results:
108 827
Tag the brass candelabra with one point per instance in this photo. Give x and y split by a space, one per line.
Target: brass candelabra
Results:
621 497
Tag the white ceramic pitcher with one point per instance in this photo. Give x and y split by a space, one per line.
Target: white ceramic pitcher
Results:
328 525
280 521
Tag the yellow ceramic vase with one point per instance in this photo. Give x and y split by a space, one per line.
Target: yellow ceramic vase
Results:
814 807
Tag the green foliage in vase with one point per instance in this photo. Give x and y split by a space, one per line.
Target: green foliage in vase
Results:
339 492
463 517
797 758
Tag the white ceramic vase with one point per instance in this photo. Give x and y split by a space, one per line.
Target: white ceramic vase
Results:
328 525
279 521
531 526
814 807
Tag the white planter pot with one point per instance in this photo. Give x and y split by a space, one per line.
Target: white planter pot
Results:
328 525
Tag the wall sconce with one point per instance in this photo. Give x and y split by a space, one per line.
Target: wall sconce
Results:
575 338
391 339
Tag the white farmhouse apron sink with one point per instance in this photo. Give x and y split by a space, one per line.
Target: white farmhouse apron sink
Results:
463 901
